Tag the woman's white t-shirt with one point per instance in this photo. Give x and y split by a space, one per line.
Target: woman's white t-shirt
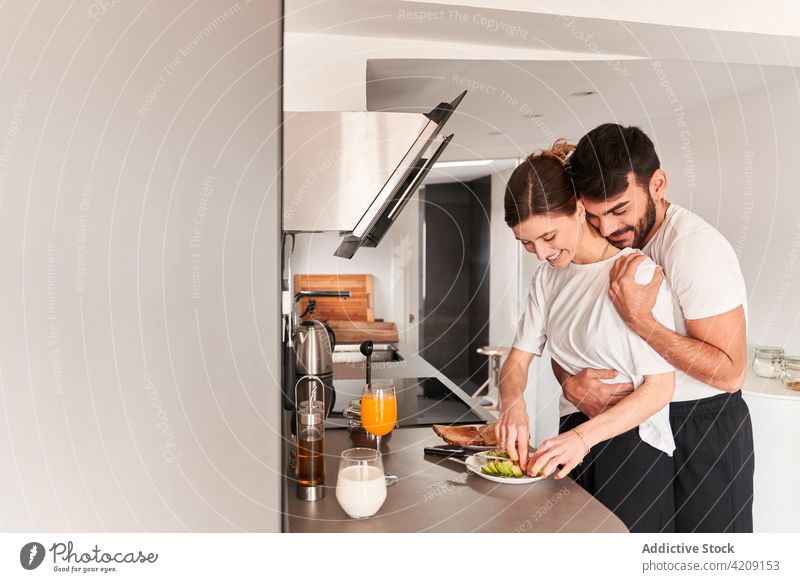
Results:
569 310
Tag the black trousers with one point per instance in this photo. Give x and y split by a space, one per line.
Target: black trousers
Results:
630 477
714 464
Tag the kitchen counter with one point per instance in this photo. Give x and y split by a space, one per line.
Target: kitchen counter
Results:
767 387
438 495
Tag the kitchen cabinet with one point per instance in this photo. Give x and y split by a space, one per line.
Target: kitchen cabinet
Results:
775 413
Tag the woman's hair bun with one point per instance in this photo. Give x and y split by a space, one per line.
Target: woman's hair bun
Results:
560 151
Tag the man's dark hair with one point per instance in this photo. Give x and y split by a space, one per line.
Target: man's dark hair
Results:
600 164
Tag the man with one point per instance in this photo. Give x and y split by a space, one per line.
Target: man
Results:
618 177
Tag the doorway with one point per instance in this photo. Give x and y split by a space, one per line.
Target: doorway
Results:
454 281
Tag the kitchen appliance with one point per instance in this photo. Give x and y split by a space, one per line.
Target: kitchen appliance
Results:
313 364
354 172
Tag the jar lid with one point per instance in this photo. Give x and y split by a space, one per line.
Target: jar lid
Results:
768 351
792 362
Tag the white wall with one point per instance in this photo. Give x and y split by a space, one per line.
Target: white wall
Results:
504 263
139 228
734 163
394 265
313 253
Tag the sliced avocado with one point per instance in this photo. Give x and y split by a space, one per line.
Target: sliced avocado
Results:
517 471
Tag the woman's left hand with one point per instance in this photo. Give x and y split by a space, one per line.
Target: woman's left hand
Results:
567 450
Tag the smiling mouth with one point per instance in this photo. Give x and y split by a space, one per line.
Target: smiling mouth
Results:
554 256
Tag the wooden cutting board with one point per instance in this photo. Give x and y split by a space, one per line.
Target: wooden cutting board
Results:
355 332
360 306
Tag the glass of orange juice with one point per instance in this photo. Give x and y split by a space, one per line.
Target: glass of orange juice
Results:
379 409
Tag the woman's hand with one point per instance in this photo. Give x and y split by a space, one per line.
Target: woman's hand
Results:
567 450
513 430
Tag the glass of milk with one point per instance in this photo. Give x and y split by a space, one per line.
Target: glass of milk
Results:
361 485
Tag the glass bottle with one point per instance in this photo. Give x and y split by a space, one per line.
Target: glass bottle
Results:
310 473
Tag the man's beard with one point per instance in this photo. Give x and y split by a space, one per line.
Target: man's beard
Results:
646 224
642 230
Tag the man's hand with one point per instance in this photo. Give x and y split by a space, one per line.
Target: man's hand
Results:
633 302
513 430
590 395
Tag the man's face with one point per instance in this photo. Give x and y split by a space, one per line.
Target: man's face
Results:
626 219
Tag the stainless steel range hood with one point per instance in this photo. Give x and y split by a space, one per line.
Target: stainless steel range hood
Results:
353 172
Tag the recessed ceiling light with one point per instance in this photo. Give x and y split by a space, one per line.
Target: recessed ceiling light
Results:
583 93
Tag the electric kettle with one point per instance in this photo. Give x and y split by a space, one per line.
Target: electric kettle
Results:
313 346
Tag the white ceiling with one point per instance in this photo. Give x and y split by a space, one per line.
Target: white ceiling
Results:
491 120
407 55
757 33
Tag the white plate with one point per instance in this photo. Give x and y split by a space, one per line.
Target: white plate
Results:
478 460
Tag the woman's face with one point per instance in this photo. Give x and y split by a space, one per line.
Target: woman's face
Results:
551 237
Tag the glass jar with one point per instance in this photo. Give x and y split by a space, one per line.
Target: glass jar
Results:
790 375
768 362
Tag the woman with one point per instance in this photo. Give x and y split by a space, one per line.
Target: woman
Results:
623 455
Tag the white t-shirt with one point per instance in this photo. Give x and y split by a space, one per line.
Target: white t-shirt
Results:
569 309
703 273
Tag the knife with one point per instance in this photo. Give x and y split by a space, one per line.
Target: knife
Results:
451 452
455 452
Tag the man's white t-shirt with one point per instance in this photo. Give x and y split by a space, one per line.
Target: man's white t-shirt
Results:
569 310
703 273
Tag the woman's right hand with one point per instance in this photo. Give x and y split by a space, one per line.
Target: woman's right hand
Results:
513 430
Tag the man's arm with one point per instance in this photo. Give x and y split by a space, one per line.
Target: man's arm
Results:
513 426
714 351
586 390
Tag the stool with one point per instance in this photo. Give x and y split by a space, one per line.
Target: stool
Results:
492 384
